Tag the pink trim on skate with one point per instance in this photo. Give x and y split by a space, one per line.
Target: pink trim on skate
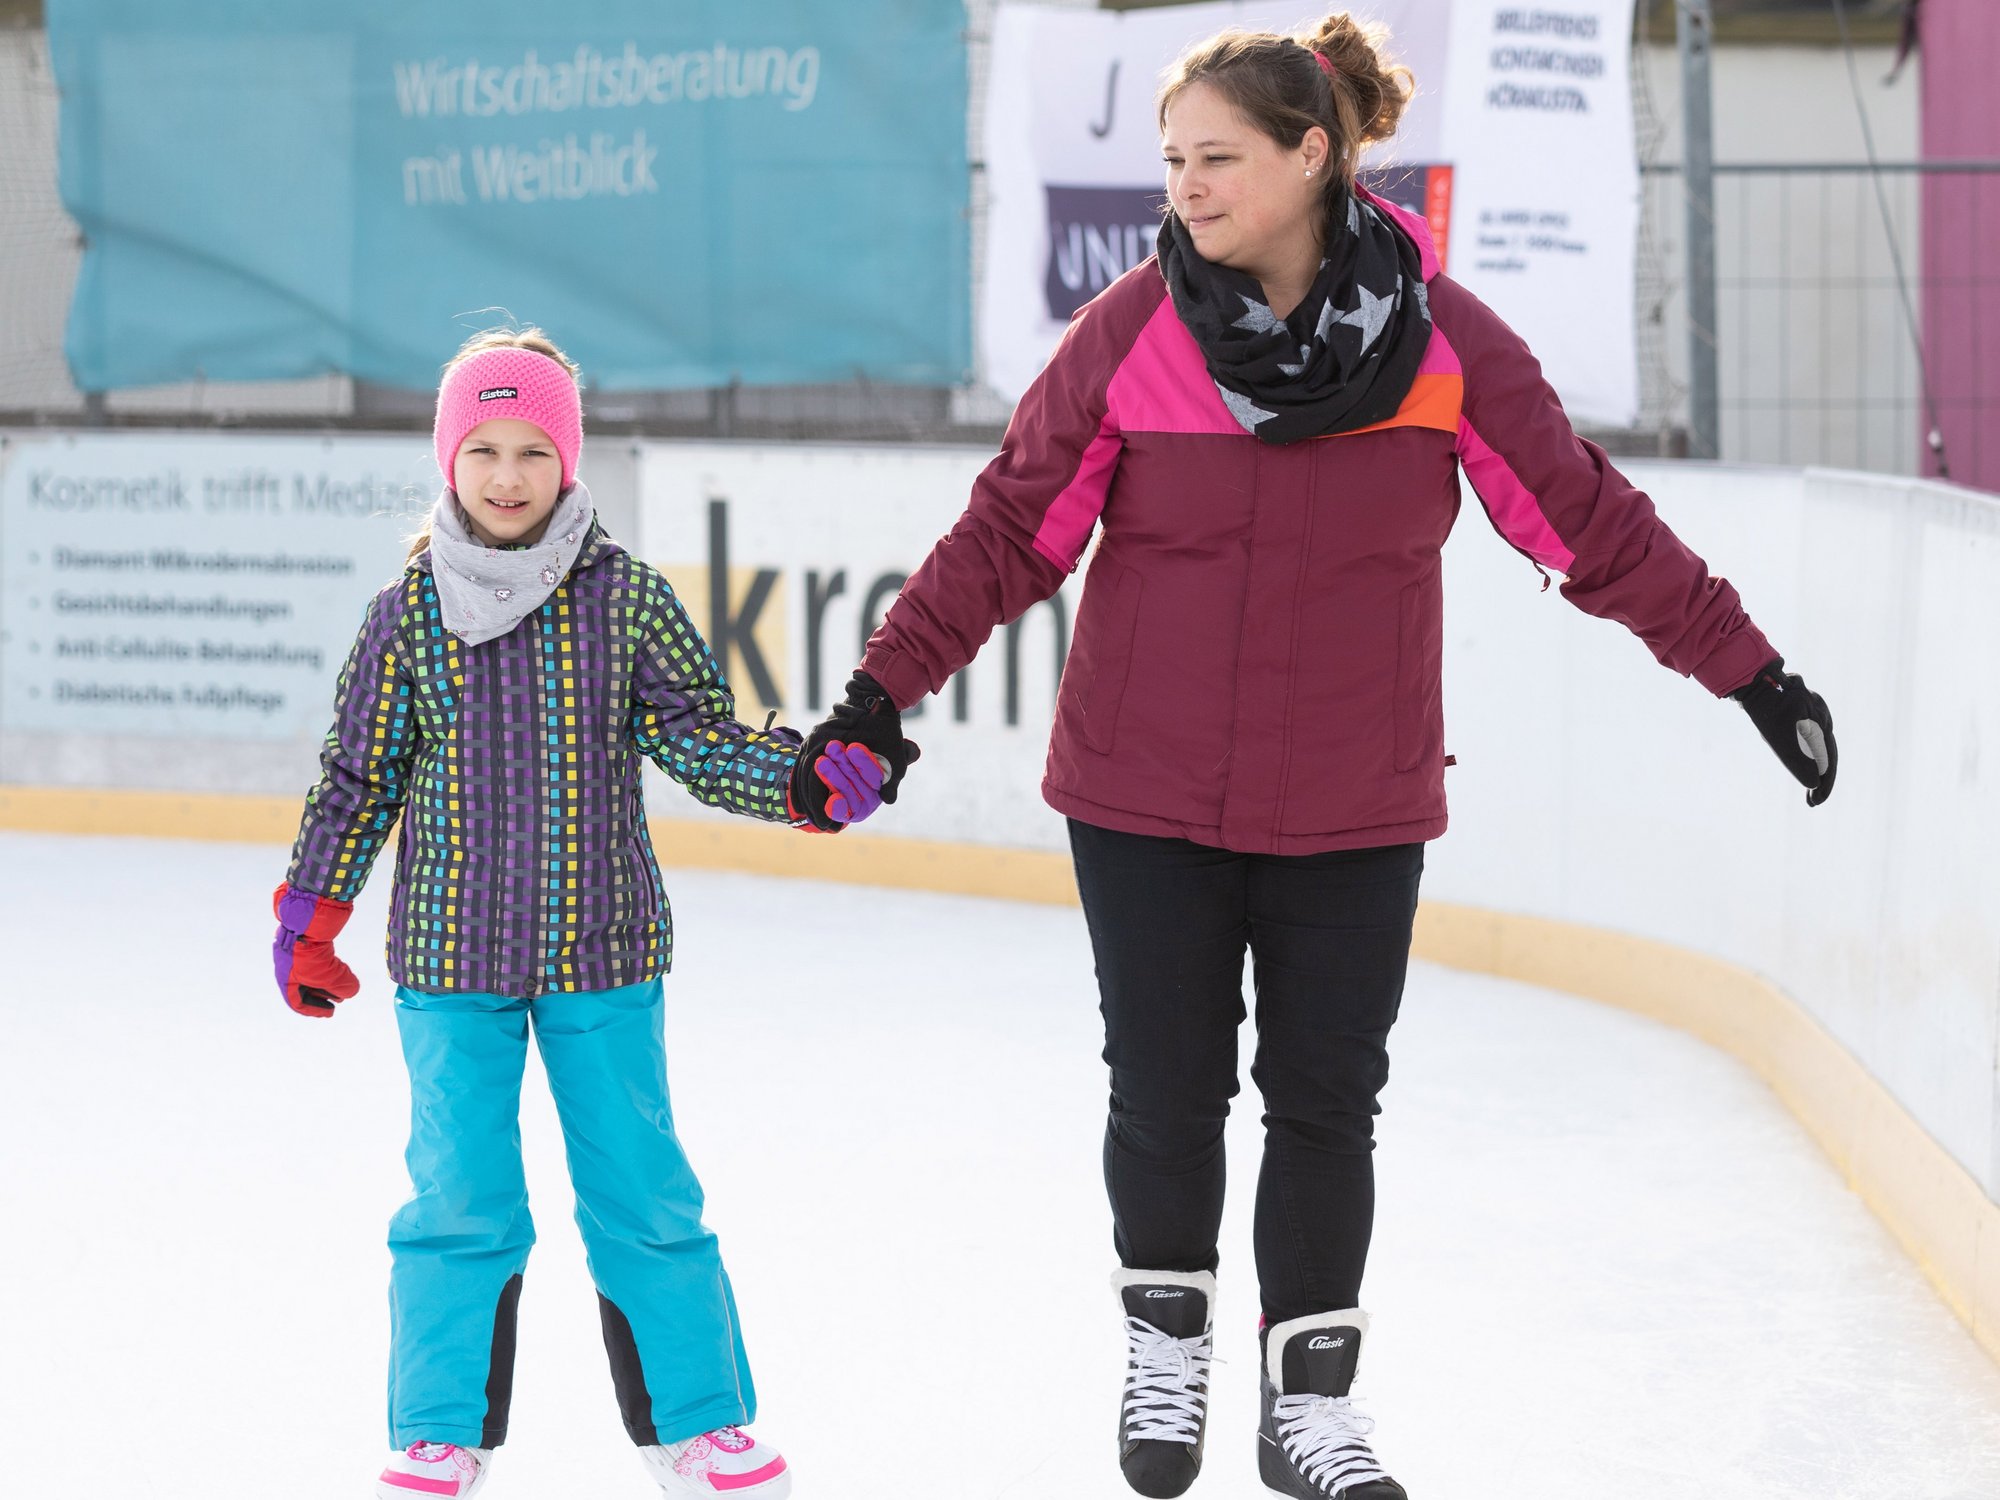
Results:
421 1486
770 1470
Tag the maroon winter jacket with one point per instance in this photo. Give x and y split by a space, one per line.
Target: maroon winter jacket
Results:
1257 655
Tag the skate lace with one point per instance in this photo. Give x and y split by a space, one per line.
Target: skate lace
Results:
1167 1386
1326 1438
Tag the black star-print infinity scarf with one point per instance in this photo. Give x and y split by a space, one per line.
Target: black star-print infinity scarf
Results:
1347 354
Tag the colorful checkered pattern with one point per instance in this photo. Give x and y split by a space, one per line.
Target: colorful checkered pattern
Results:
524 865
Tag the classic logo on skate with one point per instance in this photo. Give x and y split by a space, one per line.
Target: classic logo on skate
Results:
1323 1342
501 392
1159 1292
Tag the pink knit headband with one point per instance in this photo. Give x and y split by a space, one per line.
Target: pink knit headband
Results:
509 383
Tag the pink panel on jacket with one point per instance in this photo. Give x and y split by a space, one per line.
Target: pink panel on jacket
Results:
1439 357
1067 523
1516 514
1163 384
1414 225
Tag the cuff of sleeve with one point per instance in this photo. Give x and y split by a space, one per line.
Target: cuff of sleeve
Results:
799 820
1735 661
309 916
900 678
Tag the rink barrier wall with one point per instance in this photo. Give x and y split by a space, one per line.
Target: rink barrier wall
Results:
1933 1207
1931 1204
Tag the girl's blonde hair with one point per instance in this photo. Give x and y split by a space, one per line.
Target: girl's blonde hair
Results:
1278 84
530 338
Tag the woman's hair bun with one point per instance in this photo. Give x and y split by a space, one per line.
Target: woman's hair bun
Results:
1335 77
1379 89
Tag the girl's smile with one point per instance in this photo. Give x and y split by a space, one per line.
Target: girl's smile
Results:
508 476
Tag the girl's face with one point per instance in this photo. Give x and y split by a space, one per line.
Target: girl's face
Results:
1246 201
507 474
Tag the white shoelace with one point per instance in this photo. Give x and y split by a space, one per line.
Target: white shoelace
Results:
1327 1438
1167 1387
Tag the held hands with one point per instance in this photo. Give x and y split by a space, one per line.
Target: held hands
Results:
868 717
842 784
310 977
854 759
1795 722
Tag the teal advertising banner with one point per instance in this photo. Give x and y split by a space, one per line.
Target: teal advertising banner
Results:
684 194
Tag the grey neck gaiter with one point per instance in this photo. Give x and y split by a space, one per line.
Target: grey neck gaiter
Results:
484 592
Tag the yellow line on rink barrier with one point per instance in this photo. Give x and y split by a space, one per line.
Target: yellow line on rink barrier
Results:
859 859
223 816
738 844
1932 1205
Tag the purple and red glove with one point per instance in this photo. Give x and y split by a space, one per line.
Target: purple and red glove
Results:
310 976
836 785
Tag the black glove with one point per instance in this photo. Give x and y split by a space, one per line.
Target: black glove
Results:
866 718
1794 722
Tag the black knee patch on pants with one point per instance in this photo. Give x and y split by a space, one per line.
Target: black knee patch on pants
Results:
500 1368
635 1402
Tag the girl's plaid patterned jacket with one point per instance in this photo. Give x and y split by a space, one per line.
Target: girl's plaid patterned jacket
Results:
524 865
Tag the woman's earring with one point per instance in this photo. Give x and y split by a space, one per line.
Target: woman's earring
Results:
1309 171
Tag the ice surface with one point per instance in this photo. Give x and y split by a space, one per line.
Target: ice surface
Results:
1608 1264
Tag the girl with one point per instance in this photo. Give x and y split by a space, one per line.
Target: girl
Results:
500 696
1268 419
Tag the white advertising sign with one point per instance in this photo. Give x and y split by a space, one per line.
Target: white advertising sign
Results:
787 557
1517 148
193 585
1545 217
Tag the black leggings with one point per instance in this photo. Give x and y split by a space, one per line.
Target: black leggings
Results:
1329 935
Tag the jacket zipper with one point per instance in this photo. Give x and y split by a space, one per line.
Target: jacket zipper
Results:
1292 664
538 929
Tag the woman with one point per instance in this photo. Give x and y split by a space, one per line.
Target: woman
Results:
1267 420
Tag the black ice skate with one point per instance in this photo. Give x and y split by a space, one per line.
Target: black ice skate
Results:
1312 1442
1169 1320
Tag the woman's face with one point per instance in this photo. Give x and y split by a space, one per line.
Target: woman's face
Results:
1246 201
507 474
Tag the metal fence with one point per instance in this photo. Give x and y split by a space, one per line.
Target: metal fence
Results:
1817 363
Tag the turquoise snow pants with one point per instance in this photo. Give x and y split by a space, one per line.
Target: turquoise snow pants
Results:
459 1245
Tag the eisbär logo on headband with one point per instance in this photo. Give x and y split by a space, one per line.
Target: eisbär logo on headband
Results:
501 392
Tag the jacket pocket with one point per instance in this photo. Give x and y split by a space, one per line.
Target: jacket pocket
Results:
640 890
1419 672
1104 646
